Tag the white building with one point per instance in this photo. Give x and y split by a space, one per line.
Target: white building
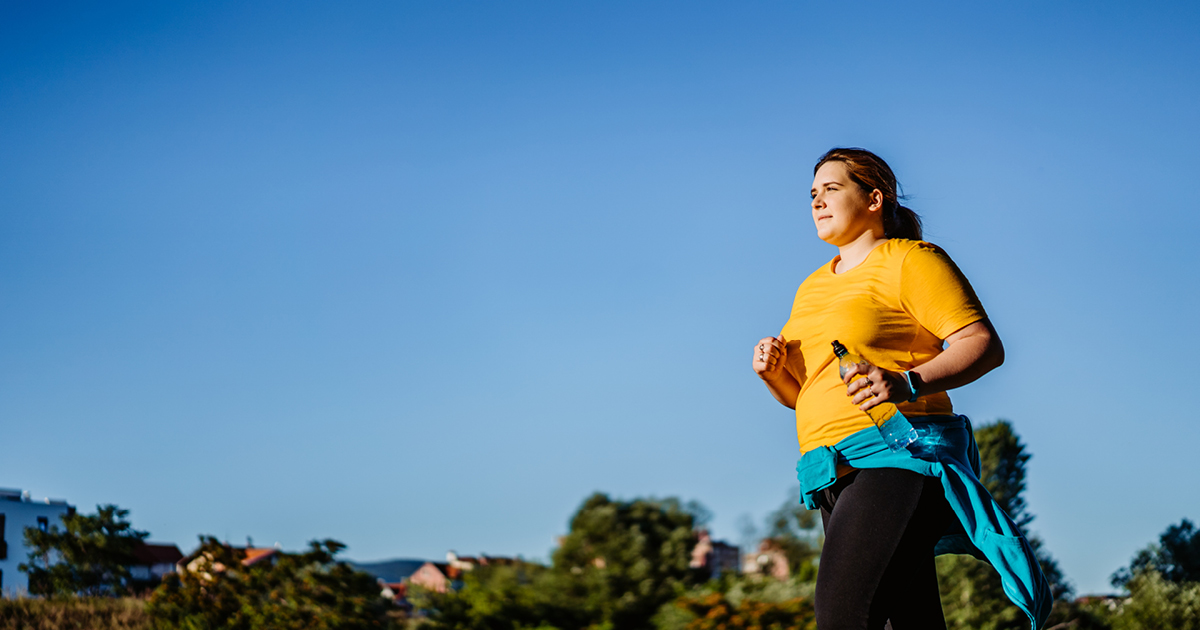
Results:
17 512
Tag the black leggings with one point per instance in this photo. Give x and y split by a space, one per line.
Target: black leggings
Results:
881 525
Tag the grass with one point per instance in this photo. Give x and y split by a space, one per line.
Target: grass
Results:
74 614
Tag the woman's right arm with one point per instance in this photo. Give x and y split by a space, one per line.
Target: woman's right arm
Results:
769 356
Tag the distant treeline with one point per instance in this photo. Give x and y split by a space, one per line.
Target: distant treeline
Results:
623 565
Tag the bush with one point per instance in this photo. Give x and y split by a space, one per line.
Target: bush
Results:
973 597
1156 602
521 596
303 591
717 612
758 601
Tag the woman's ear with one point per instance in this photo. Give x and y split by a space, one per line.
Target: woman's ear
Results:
876 201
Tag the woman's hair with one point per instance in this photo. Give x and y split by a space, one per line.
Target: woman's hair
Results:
871 173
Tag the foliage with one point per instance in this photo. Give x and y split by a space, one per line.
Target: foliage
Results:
1002 460
1163 585
973 598
1176 557
627 558
1157 602
1081 615
793 529
624 565
1060 588
763 589
620 562
1163 581
297 591
716 612
525 595
89 555
745 593
972 595
75 613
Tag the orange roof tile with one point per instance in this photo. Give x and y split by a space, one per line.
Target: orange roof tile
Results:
257 554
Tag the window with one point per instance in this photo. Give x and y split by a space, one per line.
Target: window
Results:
43 523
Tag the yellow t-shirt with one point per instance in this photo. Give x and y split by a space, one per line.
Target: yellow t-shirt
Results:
894 310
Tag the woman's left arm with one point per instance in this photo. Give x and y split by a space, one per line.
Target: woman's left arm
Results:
971 352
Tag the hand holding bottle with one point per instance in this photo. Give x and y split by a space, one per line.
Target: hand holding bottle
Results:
875 391
880 385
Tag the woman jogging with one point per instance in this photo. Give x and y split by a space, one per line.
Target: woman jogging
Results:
905 308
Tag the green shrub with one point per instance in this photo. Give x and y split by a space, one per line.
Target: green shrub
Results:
1156 602
301 591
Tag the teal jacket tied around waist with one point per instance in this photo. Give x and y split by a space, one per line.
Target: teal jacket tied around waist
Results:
945 449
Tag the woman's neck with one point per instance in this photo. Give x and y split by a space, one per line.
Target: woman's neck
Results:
852 254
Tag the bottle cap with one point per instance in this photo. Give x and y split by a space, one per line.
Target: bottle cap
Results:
839 349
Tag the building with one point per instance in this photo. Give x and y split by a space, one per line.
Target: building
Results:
1111 602
435 576
453 569
716 556
768 560
17 512
395 571
154 560
394 577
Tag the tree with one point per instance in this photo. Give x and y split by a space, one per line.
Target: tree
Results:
1156 602
618 565
308 590
496 597
628 557
1176 557
972 595
1002 462
89 555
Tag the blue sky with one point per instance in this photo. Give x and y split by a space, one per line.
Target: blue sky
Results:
421 276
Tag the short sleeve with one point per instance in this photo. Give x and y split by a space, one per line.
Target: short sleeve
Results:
936 293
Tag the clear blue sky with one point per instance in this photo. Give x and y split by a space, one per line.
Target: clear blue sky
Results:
420 276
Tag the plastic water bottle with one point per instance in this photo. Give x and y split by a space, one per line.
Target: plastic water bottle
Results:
896 430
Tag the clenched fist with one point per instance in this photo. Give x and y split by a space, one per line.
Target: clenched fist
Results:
769 355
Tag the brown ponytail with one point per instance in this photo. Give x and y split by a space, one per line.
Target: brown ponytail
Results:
871 173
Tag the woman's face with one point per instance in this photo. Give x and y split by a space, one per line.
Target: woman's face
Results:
841 210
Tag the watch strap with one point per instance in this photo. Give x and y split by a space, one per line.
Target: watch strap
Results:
914 384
